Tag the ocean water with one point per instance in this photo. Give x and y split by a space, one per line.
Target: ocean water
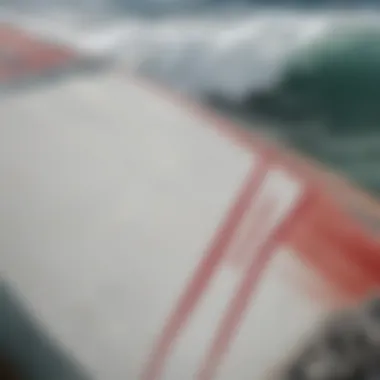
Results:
308 70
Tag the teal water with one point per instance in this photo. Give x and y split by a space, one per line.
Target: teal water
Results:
326 103
25 342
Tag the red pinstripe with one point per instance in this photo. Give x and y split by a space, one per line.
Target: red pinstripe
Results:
203 275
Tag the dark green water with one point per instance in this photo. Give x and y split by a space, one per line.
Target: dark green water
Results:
26 344
327 103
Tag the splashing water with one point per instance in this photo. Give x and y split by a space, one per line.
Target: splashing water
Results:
249 58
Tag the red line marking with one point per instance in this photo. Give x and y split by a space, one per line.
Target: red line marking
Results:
30 55
234 250
257 226
203 274
344 258
248 285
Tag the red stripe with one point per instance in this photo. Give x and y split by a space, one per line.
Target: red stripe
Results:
234 250
203 275
248 285
257 228
345 260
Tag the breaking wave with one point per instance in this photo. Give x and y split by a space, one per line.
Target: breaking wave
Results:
313 73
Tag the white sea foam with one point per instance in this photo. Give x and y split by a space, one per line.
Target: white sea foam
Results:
228 52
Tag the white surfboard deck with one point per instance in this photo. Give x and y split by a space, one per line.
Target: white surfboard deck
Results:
110 196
